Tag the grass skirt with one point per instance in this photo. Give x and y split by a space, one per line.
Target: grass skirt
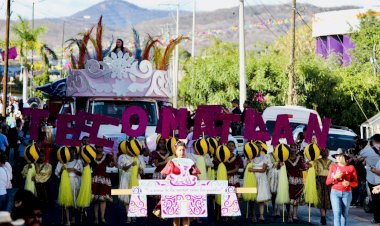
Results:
222 175
84 197
65 194
29 183
134 174
283 187
249 182
201 165
211 173
311 193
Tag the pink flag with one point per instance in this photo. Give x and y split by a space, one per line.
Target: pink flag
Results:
12 53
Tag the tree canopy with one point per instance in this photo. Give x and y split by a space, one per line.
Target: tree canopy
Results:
27 40
349 95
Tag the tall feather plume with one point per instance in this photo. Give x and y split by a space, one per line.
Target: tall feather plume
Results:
137 44
169 50
99 39
108 50
157 57
93 41
73 41
148 46
83 48
73 61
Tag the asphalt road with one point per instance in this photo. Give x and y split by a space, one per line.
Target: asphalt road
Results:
115 215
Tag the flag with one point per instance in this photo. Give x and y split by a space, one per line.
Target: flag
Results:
12 53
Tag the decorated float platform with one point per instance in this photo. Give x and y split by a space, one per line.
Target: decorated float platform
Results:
183 195
118 75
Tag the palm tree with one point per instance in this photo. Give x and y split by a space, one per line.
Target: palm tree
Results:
27 40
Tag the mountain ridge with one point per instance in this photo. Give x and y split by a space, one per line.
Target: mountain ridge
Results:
119 16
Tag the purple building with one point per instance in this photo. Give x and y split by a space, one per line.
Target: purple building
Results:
331 31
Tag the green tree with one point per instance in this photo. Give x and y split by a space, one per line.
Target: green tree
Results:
28 40
360 86
348 95
208 79
366 38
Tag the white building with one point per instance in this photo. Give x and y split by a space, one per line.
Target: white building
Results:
370 127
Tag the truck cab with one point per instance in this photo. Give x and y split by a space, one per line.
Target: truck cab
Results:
115 108
108 87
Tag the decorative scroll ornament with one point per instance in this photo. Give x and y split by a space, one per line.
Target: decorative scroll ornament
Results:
76 83
119 75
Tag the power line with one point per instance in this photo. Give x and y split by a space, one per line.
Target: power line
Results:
29 7
261 20
267 10
2 6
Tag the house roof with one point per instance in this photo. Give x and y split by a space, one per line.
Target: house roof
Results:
372 120
339 22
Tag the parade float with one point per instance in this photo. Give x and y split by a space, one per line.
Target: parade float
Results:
109 82
123 96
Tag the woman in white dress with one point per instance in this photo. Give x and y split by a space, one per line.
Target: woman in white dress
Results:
125 164
259 168
75 169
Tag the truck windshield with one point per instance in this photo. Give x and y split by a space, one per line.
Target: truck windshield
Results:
270 126
336 141
115 109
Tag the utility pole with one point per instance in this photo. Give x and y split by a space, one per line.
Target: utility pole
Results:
5 77
32 67
292 93
175 61
176 64
193 38
242 84
63 41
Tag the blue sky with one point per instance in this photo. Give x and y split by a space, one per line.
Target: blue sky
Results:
59 8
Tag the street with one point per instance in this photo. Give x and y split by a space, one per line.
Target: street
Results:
115 215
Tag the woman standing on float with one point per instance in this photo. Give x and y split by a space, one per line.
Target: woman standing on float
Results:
121 48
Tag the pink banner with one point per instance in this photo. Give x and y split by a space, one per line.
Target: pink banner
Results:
313 127
282 129
252 121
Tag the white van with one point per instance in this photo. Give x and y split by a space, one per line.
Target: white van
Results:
338 137
297 115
